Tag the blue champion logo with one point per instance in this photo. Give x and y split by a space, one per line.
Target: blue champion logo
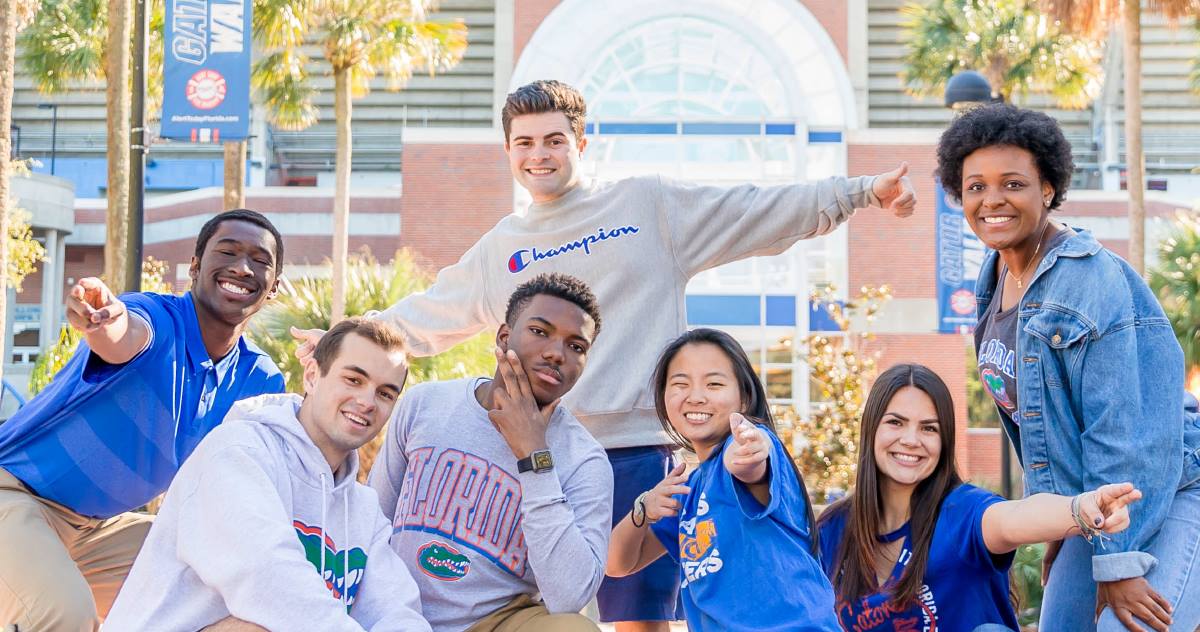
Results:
522 258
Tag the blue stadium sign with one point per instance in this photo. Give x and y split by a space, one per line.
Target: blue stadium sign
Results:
206 70
959 257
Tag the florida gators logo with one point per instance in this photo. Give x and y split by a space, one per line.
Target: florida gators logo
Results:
344 570
442 561
995 386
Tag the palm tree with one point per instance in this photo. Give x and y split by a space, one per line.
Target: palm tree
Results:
1010 42
1176 282
306 303
360 39
1094 18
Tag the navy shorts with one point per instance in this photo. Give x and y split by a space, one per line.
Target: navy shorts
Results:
653 593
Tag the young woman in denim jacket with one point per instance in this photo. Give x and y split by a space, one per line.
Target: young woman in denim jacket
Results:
1087 375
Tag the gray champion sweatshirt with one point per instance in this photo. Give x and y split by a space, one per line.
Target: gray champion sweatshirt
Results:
474 532
636 242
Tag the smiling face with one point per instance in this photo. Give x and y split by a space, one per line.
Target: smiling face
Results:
348 404
1004 197
908 442
701 392
551 336
543 154
236 273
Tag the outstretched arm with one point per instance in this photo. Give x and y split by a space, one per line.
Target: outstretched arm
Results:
632 546
106 325
1048 517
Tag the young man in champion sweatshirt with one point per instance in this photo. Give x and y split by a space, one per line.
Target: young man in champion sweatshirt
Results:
636 243
266 526
499 498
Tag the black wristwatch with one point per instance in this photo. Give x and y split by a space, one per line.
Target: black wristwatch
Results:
538 461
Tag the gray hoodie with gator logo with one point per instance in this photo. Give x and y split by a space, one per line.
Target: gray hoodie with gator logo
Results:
473 531
258 527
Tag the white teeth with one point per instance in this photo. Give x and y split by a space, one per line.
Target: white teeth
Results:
229 287
540 172
356 419
996 220
698 416
907 458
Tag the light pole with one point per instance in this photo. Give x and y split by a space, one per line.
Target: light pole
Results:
53 107
966 89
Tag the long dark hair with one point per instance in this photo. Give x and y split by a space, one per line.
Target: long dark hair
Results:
754 400
854 563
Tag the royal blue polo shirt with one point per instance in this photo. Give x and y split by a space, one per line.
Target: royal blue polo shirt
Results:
103 439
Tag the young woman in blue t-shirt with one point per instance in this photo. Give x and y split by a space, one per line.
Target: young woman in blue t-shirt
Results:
740 525
915 548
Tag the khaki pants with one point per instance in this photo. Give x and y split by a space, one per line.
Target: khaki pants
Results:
60 571
523 614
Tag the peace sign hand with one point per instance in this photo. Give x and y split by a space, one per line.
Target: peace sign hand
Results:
517 415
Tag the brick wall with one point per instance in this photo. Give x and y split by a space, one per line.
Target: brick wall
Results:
527 16
453 194
887 249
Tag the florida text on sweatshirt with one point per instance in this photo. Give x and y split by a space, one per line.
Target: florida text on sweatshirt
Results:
258 527
474 532
636 243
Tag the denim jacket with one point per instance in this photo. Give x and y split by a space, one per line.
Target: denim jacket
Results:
1100 382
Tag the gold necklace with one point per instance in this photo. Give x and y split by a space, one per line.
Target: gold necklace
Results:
1025 269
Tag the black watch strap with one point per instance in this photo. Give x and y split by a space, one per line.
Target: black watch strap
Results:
537 461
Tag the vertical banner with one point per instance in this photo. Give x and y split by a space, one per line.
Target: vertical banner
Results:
206 70
959 256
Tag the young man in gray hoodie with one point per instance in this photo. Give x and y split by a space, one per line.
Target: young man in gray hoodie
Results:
499 498
636 242
265 526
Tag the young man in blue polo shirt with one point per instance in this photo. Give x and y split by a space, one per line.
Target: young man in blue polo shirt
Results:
154 374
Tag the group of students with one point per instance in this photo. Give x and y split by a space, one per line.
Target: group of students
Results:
509 502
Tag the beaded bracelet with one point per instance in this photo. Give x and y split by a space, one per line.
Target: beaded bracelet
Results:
1088 531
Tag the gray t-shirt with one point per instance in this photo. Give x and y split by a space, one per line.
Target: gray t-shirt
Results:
473 532
998 350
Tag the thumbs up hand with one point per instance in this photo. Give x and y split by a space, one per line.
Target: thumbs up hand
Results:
895 192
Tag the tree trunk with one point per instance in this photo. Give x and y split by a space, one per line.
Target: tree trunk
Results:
341 193
8 40
1135 160
235 174
117 76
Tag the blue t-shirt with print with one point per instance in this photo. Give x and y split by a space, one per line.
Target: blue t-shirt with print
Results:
103 439
965 585
745 566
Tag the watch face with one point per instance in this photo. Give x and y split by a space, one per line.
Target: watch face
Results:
542 461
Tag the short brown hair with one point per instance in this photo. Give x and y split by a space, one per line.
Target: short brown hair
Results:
381 333
545 96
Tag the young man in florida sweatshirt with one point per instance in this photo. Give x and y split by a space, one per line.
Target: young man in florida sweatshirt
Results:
499 498
266 524
636 242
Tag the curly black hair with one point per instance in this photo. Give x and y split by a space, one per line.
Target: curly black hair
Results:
563 286
240 215
1005 124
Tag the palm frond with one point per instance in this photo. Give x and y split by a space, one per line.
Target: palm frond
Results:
65 43
281 82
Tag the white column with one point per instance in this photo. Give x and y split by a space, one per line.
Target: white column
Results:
51 271
60 282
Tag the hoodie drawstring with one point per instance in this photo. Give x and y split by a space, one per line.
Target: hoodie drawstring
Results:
324 504
346 543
